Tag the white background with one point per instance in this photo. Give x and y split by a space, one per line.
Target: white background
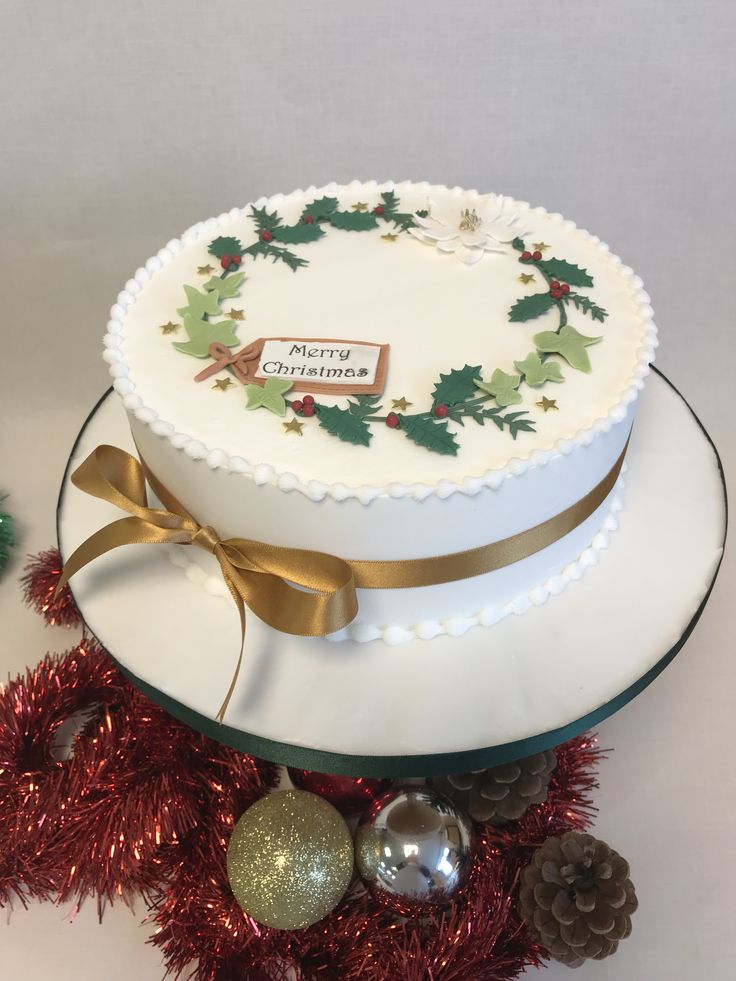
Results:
122 123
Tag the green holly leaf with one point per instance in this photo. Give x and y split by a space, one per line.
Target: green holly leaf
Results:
503 387
321 208
298 234
226 287
269 396
433 436
270 251
202 333
518 244
530 307
586 305
365 405
390 201
537 372
566 272
457 386
225 245
265 221
199 305
344 424
569 344
353 221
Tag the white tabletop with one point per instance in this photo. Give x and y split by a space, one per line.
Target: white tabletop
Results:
124 123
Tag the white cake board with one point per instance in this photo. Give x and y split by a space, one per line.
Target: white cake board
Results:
425 707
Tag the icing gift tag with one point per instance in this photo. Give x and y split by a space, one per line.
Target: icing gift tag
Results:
311 364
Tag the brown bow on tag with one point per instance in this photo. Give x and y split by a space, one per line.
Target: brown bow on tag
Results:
257 575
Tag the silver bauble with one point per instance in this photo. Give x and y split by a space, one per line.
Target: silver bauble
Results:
413 849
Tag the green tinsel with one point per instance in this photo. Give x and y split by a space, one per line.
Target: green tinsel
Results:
7 537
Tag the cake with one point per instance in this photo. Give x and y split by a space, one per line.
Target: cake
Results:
433 384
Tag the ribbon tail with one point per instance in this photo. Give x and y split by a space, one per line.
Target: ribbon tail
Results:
241 613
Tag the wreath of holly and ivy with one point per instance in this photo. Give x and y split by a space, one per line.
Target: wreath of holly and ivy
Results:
459 395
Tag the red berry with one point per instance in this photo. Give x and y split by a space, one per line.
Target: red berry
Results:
225 262
555 285
536 255
378 210
308 219
308 400
308 408
392 420
441 410
526 256
266 236
556 294
565 288
236 259
297 405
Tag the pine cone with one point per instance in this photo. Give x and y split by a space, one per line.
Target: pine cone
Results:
576 898
503 793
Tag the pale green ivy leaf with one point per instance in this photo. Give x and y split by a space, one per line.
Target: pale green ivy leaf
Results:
569 344
202 333
503 387
199 305
227 287
270 395
536 372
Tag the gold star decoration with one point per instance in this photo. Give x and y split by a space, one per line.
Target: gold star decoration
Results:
169 328
234 314
293 426
360 206
222 384
540 246
525 278
389 237
548 404
401 404
205 270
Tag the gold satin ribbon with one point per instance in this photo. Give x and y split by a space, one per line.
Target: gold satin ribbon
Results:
261 576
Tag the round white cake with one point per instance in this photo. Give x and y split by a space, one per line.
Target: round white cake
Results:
387 373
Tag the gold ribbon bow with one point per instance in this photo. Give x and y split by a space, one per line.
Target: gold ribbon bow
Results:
257 575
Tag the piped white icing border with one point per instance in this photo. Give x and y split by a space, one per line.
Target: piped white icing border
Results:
396 634
315 490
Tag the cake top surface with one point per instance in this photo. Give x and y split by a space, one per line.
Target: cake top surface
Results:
381 338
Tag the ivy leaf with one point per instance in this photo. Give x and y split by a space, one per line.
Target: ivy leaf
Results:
530 307
270 395
321 208
353 221
225 245
503 387
566 272
586 305
457 386
433 436
202 333
265 221
569 344
226 287
297 234
344 424
199 305
364 405
537 372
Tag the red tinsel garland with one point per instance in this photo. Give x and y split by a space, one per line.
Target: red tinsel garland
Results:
39 582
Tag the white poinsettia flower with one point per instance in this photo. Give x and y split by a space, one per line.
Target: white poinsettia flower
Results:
469 228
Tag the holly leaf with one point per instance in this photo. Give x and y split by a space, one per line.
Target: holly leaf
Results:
456 386
586 305
518 425
273 252
503 387
270 395
202 333
226 287
364 405
353 221
433 436
298 234
530 307
199 305
518 244
566 272
225 245
344 424
390 201
265 221
321 208
536 372
569 344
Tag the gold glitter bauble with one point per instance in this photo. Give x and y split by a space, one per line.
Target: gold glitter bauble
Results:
290 859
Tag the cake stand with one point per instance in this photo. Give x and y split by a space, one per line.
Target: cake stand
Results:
447 705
